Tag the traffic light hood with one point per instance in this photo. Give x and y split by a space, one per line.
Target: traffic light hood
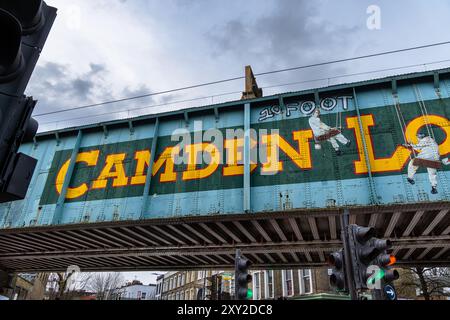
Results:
28 12
11 61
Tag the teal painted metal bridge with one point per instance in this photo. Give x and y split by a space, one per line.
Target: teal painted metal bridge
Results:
112 196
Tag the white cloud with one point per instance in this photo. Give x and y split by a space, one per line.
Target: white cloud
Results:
158 45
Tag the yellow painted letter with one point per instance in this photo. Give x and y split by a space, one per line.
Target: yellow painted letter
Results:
90 159
119 175
143 161
302 157
394 163
194 150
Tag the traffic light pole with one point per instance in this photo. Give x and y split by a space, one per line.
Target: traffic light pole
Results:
236 285
377 294
347 255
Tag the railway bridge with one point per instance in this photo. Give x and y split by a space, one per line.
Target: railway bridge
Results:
115 195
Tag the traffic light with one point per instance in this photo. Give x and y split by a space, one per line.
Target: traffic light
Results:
385 274
371 262
24 27
219 287
363 251
212 288
242 277
338 278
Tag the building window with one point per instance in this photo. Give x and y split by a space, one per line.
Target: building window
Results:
183 279
143 295
171 284
179 280
200 275
305 281
269 290
178 296
288 283
257 286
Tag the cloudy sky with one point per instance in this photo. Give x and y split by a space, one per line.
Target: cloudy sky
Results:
100 50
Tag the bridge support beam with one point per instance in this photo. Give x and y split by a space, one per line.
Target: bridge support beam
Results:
247 169
62 197
373 191
148 180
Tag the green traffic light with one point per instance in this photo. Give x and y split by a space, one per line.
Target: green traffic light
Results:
249 294
376 277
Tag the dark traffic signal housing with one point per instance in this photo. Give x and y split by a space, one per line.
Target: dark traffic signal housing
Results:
211 288
242 277
338 278
368 252
24 27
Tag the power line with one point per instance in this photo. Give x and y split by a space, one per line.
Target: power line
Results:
236 92
354 58
147 107
243 77
141 96
358 73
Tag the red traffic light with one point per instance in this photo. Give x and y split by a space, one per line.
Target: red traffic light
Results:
386 260
392 260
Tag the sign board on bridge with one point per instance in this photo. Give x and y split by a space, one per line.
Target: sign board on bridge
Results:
340 147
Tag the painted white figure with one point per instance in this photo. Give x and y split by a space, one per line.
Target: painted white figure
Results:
428 149
320 129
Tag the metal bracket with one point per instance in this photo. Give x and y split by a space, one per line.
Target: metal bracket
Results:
437 86
317 98
105 131
58 140
394 87
186 118
281 102
130 125
216 113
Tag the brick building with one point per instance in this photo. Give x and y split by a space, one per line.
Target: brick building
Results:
266 284
23 286
184 285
